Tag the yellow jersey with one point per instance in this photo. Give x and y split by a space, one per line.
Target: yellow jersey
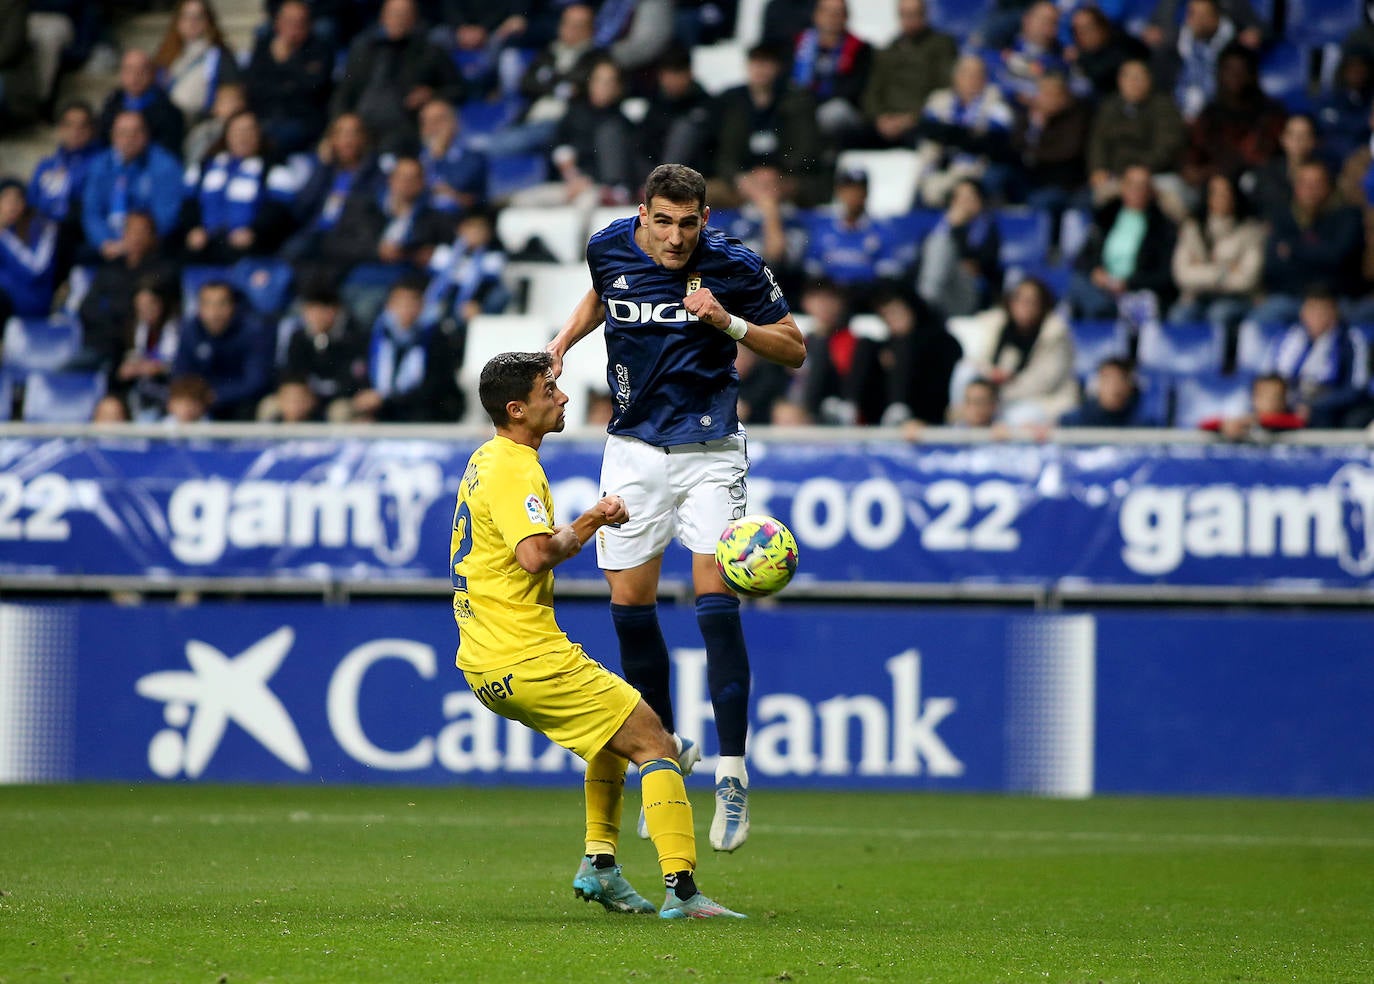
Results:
504 613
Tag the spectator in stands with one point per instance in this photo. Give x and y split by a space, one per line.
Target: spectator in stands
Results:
293 402
28 252
634 32
110 409
455 173
227 348
1344 109
1025 349
141 372
132 176
1032 54
188 400
1135 126
1098 51
1273 180
769 121
193 60
108 308
847 245
139 92
963 128
1218 259
1238 130
829 383
1125 267
1193 62
391 71
909 370
20 100
344 165
289 79
1317 239
51 32
1050 138
1324 363
769 222
960 273
762 384
482 29
230 100
595 154
677 125
58 182
905 74
397 232
1269 411
326 349
231 210
412 365
1113 401
1166 19
467 278
979 406
556 75
833 64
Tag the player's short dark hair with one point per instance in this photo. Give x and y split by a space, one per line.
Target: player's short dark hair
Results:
1120 363
1319 291
218 284
676 183
509 376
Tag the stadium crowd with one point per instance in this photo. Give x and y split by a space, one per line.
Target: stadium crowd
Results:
1012 214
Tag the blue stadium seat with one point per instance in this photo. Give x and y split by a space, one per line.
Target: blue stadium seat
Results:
193 278
1156 397
62 397
1197 398
481 118
959 18
6 395
1313 23
265 282
1094 341
1025 236
1254 342
1183 349
41 344
1284 75
910 230
509 173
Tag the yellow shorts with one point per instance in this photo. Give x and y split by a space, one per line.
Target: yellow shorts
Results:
567 696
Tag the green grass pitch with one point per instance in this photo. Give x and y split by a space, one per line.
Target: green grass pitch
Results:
240 884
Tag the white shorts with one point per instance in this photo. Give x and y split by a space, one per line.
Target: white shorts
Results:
689 491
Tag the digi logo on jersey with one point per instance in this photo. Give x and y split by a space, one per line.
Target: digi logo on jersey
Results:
647 312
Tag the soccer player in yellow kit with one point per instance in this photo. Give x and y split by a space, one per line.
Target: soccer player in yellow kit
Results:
521 665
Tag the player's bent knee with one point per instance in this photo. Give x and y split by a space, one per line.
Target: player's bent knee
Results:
642 737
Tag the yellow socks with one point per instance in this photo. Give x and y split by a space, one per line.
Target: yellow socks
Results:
667 813
605 788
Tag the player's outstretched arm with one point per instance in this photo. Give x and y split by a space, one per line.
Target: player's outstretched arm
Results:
585 317
781 342
544 551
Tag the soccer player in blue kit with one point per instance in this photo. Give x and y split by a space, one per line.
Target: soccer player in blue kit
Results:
677 299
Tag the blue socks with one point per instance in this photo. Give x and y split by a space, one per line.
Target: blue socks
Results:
644 656
727 668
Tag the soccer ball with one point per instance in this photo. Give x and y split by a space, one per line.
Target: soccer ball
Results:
756 555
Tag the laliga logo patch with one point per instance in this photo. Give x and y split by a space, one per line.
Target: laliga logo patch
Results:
693 283
534 508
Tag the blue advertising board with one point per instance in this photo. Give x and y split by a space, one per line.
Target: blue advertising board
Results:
367 510
891 698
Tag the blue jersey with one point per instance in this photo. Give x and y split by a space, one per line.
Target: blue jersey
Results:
673 378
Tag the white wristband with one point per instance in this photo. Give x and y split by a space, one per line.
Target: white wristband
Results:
737 328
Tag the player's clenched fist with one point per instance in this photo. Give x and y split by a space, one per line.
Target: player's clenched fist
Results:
704 305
